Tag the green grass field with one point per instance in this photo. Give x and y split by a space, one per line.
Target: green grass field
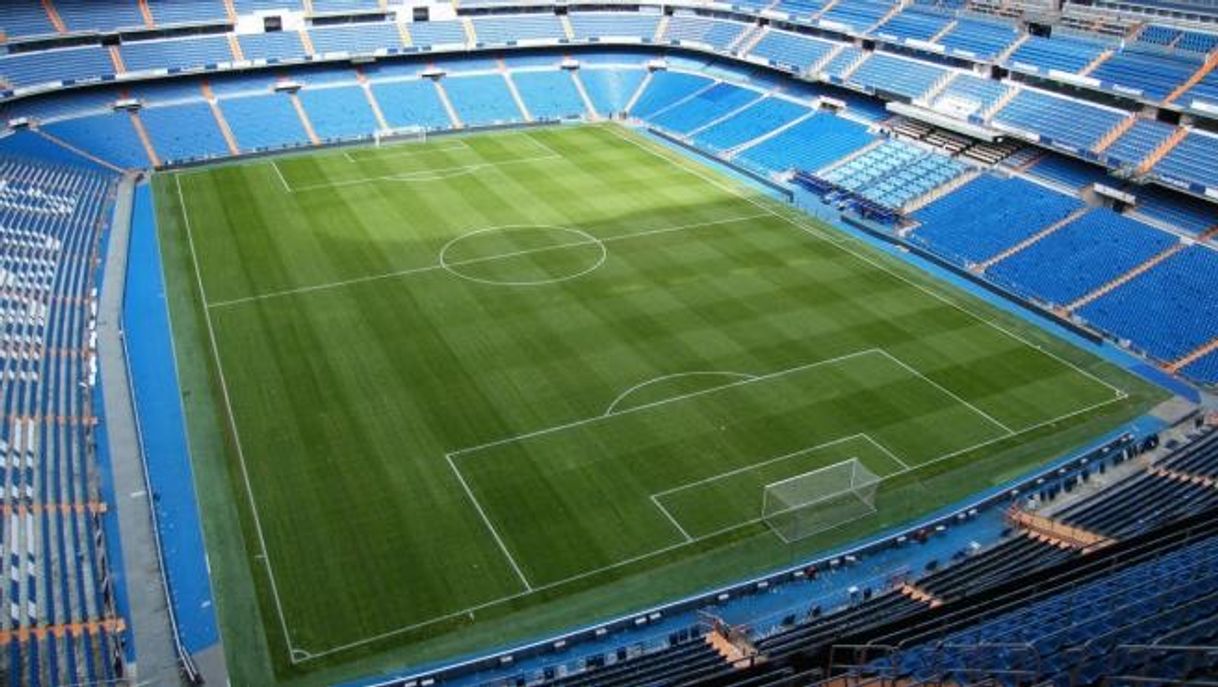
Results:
509 382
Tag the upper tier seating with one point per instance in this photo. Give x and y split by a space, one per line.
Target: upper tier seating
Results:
705 107
1076 259
504 30
549 94
411 103
25 18
792 50
355 38
883 72
843 60
28 69
274 45
610 90
1067 171
969 95
688 27
809 145
894 173
1184 212
759 118
1192 160
1178 40
982 39
988 215
858 15
914 23
1167 311
170 12
178 53
667 88
339 113
263 122
482 99
1062 54
622 24
1137 143
1151 75
89 15
437 33
324 6
1073 122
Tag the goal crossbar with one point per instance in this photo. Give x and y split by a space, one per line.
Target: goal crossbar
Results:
818 500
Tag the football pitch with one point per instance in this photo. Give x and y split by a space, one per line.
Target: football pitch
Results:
465 379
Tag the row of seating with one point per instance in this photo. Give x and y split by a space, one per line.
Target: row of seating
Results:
893 173
51 540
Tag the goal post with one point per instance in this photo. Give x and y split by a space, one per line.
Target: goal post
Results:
404 134
798 507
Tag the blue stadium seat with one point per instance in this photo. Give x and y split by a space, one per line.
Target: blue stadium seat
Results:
690 28
110 136
482 99
184 131
1192 160
355 39
549 94
263 122
177 53
610 90
1075 123
1137 143
411 103
910 78
809 145
667 88
761 117
339 113
977 38
705 107
587 25
509 30
793 51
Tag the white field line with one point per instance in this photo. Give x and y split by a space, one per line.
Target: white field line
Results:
671 519
754 466
429 175
474 261
664 401
489 526
843 244
676 375
279 173
1119 395
666 549
232 423
951 393
886 451
402 149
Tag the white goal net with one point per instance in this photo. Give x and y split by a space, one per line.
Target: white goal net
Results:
405 134
798 507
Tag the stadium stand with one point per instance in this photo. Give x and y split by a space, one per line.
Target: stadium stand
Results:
913 22
1150 75
1061 54
109 136
759 118
1067 172
668 88
482 99
689 28
51 219
274 45
1166 311
355 39
1142 139
1079 257
968 95
810 144
988 215
974 37
587 25
339 113
1191 160
610 90
83 15
510 30
549 94
858 16
411 103
896 75
184 131
175 54
704 107
793 51
893 173
263 122
1055 119
436 33
51 66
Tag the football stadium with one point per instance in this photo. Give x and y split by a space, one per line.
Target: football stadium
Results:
786 343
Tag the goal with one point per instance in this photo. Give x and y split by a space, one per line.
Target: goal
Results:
404 134
798 507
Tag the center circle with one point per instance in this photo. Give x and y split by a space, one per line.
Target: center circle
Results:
486 256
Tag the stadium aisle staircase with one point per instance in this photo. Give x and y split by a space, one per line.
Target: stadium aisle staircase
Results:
448 104
589 110
116 59
372 101
229 138
567 30
306 42
146 13
511 86
1114 133
1057 533
304 119
1034 238
1164 148
1203 71
638 93
1126 277
1194 356
145 140
54 17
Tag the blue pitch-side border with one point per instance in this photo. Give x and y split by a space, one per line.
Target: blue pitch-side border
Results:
157 399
